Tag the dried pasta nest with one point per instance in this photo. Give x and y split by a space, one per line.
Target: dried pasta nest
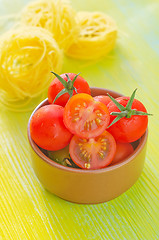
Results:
57 16
27 55
97 36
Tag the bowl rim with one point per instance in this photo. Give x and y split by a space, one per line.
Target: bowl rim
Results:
49 161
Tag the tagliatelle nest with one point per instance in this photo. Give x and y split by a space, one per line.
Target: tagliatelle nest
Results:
35 46
27 56
97 36
57 16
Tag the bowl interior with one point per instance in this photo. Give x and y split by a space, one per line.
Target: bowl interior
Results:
138 145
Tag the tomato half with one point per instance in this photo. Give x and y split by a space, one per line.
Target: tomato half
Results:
123 150
93 153
103 98
85 117
47 128
56 86
128 129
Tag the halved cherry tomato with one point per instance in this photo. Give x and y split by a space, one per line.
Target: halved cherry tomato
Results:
128 129
93 153
123 150
103 98
85 117
47 128
56 87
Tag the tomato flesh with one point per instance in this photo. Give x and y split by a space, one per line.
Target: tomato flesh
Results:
128 129
85 117
93 153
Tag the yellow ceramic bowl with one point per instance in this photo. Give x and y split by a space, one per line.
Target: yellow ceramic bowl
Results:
88 186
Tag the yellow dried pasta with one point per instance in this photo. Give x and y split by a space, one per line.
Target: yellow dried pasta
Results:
57 16
27 56
97 36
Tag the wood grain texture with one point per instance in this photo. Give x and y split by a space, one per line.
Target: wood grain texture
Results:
27 210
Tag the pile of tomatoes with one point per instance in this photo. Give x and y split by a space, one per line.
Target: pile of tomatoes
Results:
83 127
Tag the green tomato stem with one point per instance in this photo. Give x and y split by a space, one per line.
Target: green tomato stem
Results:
68 85
127 111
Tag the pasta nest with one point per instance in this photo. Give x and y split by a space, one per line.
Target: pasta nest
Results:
57 16
27 56
97 36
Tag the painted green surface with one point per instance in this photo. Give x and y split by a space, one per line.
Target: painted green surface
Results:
27 211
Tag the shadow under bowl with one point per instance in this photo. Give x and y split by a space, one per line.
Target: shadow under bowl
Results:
88 186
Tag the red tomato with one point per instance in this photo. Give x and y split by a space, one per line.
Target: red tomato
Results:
128 129
56 86
103 98
123 150
47 128
85 117
93 153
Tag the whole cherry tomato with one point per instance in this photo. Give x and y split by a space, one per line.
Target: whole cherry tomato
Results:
93 153
103 98
47 128
85 117
123 150
66 85
128 118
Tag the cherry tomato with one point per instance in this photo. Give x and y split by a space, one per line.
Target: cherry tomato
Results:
93 153
123 150
47 128
128 129
56 86
85 117
103 98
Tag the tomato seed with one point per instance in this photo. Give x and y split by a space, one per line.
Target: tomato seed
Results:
88 125
97 111
98 121
101 154
75 119
99 114
83 140
84 152
77 108
84 104
87 165
76 113
103 148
